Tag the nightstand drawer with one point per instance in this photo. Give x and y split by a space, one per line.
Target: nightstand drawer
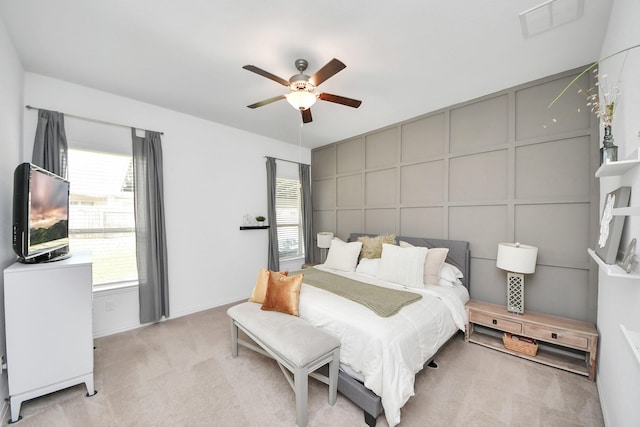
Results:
554 335
495 322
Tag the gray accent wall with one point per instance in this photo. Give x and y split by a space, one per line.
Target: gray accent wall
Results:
501 168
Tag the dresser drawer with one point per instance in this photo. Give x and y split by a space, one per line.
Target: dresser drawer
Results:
495 322
554 335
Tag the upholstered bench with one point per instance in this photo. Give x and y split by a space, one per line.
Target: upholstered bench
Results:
294 343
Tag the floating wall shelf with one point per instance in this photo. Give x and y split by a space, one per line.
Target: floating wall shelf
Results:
633 339
253 227
612 270
632 210
619 169
616 168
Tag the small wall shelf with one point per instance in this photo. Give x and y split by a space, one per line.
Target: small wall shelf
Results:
616 168
253 227
631 210
633 339
619 169
612 270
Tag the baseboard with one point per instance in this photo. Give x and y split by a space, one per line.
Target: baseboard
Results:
125 328
174 315
194 310
5 411
603 408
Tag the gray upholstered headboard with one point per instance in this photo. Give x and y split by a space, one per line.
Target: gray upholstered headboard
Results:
459 254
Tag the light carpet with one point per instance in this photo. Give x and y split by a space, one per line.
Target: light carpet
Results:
180 373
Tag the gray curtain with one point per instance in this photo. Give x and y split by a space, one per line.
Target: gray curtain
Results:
273 257
151 246
307 213
50 144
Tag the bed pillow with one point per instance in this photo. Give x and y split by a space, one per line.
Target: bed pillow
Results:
343 256
433 263
283 293
260 289
368 266
446 283
372 246
404 266
450 275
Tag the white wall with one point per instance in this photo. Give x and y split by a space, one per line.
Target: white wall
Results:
214 175
619 298
11 84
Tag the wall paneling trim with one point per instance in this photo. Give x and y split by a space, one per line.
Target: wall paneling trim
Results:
503 167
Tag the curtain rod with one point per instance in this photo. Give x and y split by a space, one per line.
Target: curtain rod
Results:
29 107
285 160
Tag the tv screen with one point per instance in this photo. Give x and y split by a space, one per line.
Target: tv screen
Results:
40 214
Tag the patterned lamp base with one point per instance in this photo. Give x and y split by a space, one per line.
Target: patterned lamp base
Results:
323 255
515 293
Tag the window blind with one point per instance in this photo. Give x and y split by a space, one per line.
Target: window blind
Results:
101 217
288 214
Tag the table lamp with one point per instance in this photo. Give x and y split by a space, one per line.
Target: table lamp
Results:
324 243
517 260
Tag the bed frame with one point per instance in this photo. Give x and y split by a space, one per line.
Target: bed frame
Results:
354 390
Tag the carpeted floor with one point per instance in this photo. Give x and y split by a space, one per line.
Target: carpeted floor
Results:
181 373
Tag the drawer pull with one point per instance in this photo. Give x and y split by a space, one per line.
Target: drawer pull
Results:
554 335
494 321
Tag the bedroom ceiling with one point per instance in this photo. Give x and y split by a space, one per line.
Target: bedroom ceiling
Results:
403 59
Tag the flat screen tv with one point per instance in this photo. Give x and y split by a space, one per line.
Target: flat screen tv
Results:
40 215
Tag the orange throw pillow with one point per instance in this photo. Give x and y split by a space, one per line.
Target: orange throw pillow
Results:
283 293
260 289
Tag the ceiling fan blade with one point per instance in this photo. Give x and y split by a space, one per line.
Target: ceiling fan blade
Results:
266 74
331 68
340 100
306 116
266 101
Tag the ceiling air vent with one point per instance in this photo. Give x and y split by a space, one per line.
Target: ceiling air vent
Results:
549 15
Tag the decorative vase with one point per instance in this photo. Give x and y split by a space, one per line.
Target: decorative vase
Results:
609 151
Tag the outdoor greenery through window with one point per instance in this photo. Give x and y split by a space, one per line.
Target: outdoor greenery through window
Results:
288 217
101 218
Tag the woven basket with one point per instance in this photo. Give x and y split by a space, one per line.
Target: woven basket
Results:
530 349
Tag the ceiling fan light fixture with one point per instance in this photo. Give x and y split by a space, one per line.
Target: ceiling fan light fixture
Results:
301 87
301 99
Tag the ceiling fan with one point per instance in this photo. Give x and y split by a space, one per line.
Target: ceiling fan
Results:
301 94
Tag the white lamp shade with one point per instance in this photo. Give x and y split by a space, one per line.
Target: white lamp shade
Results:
301 99
517 258
324 239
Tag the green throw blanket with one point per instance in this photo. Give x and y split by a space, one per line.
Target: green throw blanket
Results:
383 301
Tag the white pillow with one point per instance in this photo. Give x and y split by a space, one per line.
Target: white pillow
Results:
432 263
368 266
404 266
343 256
450 273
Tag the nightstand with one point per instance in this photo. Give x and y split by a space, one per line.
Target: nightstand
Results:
580 338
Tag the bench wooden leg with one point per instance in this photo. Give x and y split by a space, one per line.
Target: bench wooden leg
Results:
301 380
234 339
333 376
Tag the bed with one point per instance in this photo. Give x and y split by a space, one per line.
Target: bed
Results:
381 355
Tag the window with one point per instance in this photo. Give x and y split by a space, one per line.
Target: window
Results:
288 217
101 218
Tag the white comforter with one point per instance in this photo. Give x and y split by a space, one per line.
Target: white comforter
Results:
387 352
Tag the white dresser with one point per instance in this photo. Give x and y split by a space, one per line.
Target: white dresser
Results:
48 320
